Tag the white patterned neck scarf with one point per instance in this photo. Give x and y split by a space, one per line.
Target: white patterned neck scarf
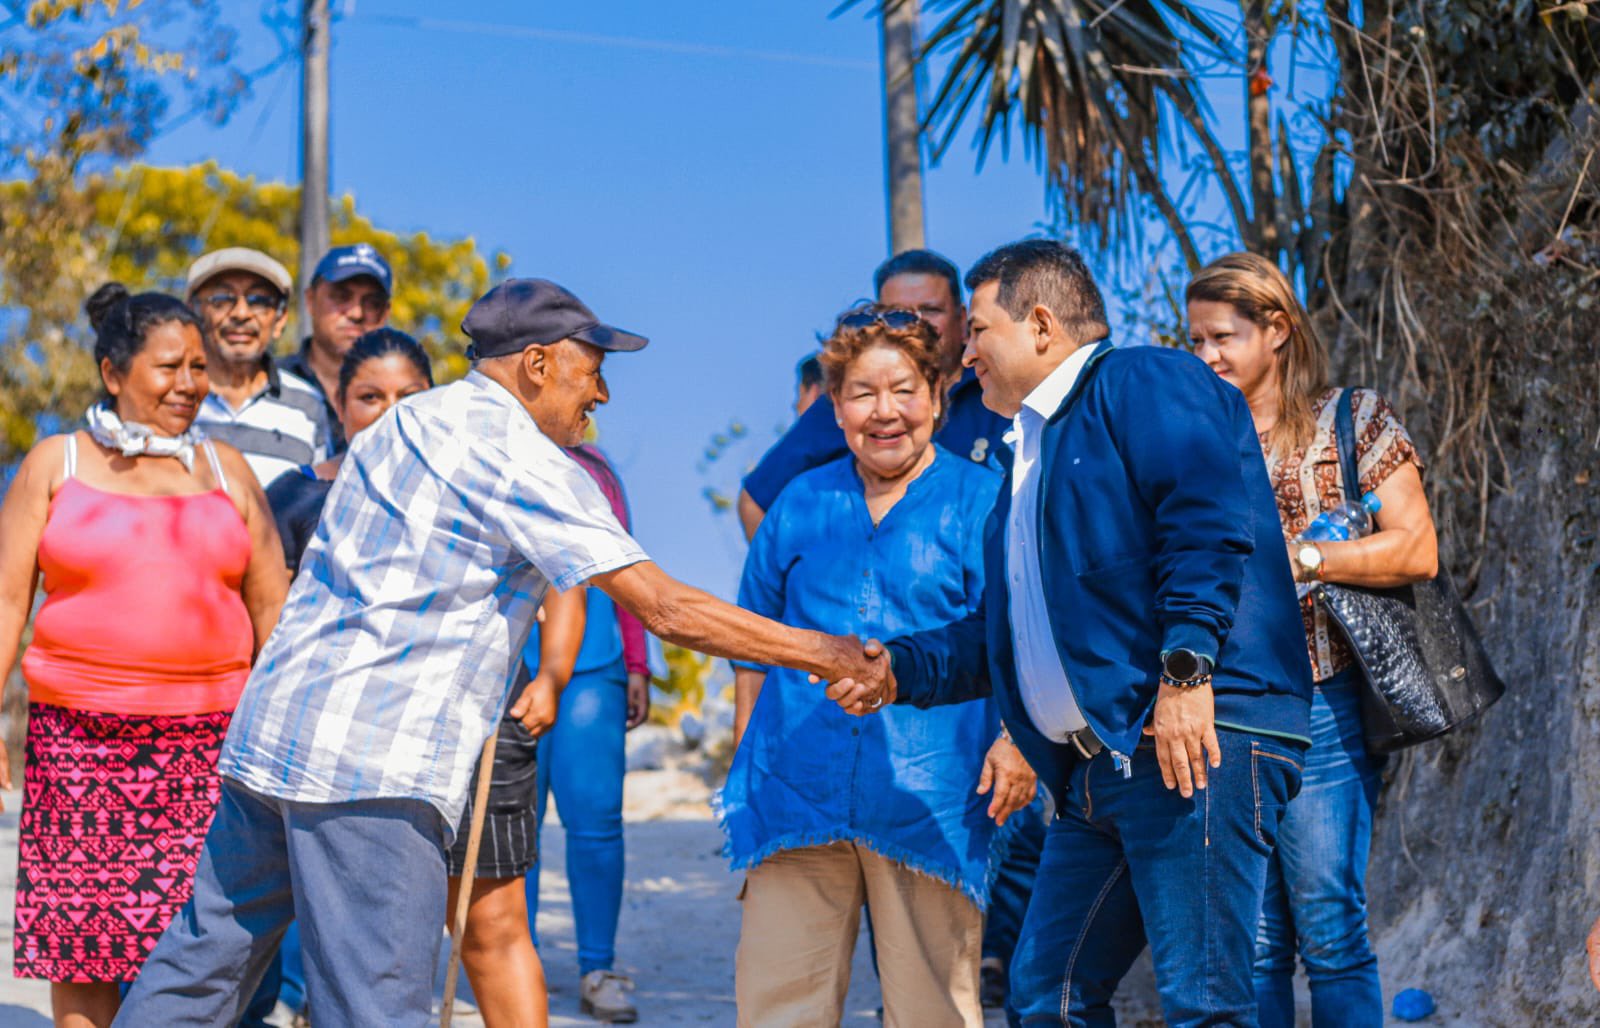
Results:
132 439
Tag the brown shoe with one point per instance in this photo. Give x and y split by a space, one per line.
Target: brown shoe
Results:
603 995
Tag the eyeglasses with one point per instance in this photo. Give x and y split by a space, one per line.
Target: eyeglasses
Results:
895 318
259 303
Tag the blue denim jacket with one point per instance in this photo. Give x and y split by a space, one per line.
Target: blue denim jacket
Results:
901 782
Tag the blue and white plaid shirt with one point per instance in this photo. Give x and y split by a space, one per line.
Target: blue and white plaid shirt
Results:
393 657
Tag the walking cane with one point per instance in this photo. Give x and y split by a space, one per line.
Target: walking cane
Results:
458 924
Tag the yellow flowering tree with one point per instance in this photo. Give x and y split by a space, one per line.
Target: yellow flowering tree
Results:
142 226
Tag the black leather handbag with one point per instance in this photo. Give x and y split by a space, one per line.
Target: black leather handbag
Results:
1425 668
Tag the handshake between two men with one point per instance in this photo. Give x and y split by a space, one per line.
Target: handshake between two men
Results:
868 693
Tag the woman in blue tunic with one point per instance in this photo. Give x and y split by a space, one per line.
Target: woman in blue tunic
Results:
828 812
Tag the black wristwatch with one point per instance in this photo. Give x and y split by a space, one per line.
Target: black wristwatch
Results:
1185 669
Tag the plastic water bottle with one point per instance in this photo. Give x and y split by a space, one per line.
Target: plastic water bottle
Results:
1412 1005
1349 520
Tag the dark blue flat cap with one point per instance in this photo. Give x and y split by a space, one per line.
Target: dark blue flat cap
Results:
344 262
523 312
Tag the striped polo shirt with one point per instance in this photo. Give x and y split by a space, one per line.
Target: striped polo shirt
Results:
278 429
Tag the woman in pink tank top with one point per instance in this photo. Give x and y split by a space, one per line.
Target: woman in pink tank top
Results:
162 575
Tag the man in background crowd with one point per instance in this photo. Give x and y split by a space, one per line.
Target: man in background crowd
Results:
807 383
348 297
277 421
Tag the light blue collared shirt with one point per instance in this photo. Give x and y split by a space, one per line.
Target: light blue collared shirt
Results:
1046 692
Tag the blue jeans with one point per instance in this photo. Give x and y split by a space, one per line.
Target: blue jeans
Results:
366 881
1128 861
582 759
1316 898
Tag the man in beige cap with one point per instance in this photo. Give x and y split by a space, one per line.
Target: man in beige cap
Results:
277 421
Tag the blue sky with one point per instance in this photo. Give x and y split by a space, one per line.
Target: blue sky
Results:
707 173
716 183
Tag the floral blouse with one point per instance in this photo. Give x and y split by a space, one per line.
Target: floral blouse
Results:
1308 481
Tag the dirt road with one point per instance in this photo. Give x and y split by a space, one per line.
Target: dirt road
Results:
680 918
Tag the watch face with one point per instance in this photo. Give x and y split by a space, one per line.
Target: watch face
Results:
1310 557
1182 665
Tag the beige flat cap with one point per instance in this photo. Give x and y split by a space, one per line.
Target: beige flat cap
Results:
239 258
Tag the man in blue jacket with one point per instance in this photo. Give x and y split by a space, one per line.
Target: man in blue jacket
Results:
1141 635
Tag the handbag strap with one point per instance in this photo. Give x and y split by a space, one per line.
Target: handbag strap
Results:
1344 430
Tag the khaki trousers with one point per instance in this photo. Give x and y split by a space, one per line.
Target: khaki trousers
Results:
802 911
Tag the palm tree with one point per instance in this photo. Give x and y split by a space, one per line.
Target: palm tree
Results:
902 124
1099 88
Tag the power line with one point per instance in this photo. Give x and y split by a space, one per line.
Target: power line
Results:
623 42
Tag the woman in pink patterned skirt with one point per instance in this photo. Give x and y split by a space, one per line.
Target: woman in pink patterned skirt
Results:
162 576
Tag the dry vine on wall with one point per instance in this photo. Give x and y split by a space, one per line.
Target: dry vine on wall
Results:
1471 295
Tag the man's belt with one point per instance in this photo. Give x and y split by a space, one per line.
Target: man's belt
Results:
1085 742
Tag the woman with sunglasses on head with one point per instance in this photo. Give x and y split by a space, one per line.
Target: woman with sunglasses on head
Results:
1247 325
826 811
162 578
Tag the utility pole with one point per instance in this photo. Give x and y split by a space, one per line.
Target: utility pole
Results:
314 44
902 124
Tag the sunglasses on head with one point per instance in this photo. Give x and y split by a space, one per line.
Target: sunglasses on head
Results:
895 318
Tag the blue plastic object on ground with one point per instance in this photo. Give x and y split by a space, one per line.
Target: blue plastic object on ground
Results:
1413 1005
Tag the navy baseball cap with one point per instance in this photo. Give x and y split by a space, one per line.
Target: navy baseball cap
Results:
344 262
524 312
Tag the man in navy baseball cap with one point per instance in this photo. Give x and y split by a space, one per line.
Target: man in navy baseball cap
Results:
345 262
542 338
348 297
524 312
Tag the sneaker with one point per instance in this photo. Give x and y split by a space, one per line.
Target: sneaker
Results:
603 995
992 983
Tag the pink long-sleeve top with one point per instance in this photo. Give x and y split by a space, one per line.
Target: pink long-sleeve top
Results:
635 652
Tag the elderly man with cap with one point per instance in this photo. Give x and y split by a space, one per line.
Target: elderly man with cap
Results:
347 765
348 297
277 421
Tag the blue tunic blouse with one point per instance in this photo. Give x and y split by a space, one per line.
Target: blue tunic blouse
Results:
901 781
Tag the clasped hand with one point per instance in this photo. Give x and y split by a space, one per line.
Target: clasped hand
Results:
863 684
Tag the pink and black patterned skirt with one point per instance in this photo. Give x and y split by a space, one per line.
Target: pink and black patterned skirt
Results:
115 809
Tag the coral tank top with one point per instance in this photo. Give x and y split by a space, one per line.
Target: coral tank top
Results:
142 610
